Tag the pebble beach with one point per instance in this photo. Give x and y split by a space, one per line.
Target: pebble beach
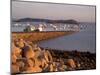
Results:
28 57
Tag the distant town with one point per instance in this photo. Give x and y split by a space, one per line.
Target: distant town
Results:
44 24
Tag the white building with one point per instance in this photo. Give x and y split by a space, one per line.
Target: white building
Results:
40 27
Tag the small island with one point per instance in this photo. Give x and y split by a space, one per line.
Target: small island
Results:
70 21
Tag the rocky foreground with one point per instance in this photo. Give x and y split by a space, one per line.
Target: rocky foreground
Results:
30 58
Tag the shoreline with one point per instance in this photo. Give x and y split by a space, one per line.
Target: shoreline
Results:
40 36
25 54
65 50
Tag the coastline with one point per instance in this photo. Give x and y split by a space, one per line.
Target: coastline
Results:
84 58
39 36
25 54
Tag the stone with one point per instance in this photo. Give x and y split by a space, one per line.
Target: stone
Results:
62 68
30 62
71 63
51 68
48 56
78 65
44 64
21 64
38 62
16 51
32 69
28 52
13 58
15 68
37 52
19 43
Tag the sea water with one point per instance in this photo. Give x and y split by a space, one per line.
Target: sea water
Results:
84 40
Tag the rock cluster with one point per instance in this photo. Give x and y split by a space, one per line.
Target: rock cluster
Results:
30 58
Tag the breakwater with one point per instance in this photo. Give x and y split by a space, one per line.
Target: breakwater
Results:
39 36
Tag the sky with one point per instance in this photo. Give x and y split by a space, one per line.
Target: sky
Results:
80 13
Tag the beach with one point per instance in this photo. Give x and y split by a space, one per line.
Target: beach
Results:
28 57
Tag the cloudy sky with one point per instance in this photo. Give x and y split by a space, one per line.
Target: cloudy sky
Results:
53 11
